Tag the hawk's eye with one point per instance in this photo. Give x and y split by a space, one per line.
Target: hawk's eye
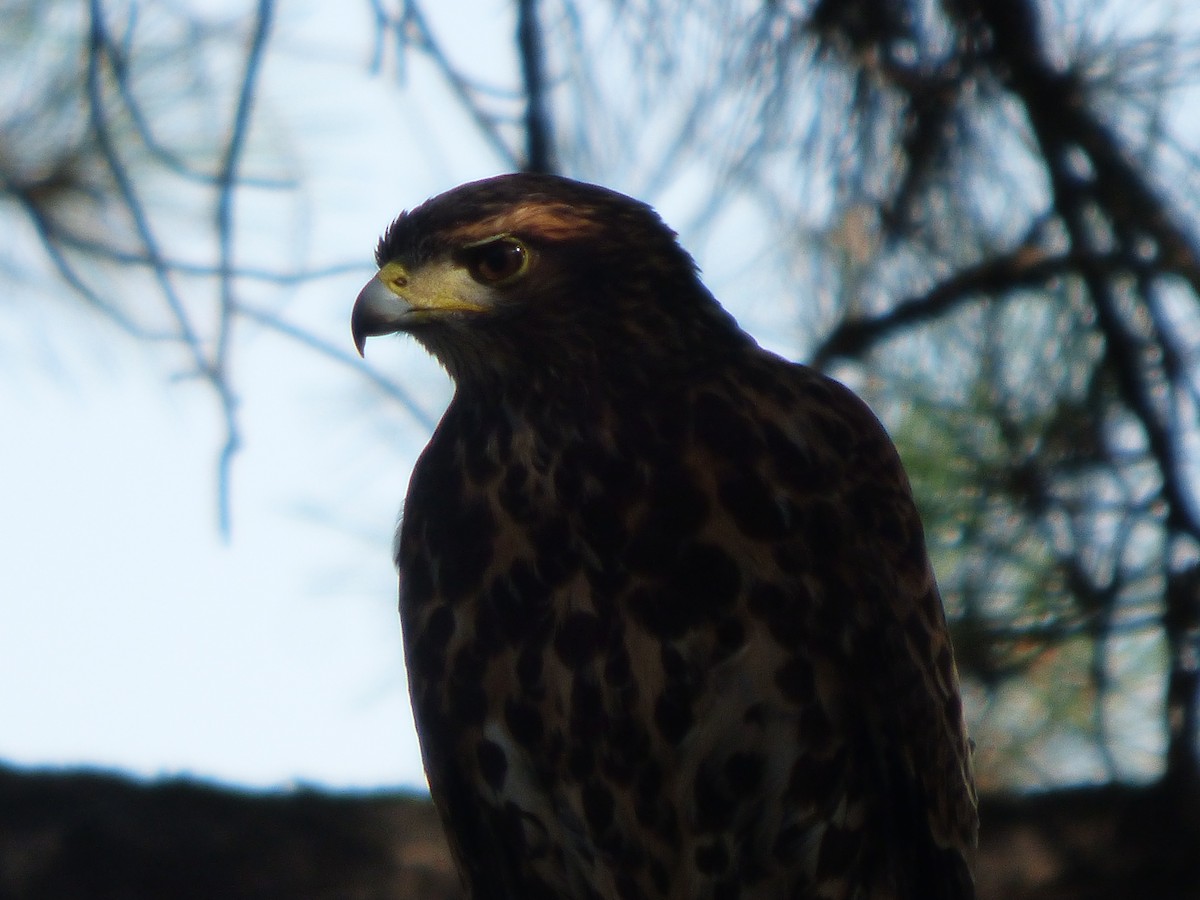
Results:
495 261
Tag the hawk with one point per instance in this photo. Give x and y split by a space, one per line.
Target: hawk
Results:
670 625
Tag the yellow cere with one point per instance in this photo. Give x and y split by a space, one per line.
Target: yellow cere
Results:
438 286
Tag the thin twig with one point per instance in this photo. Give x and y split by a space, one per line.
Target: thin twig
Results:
227 182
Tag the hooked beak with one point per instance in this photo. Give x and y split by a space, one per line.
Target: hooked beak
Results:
378 310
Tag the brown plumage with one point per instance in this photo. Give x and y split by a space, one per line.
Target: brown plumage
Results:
670 625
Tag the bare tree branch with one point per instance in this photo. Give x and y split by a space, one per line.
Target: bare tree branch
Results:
539 132
227 183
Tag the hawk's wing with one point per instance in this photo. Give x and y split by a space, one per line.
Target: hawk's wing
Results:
881 793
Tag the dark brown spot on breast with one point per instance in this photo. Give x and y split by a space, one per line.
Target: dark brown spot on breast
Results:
598 805
517 606
791 466
587 708
463 548
468 701
784 611
702 584
439 627
878 511
416 576
712 859
673 716
752 506
626 749
557 557
714 803
603 526
648 785
721 428
427 652
744 771
731 637
788 845
529 670
514 494
609 577
840 848
755 714
675 511
493 764
815 726
524 722
618 669
577 640
660 875
795 679
792 557
568 481
627 886
674 666
581 760
824 531
479 465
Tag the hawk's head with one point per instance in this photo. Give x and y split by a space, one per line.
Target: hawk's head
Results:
527 270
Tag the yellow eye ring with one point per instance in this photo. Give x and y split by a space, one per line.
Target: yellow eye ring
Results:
496 260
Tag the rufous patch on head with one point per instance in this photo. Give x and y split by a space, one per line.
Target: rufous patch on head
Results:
547 220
